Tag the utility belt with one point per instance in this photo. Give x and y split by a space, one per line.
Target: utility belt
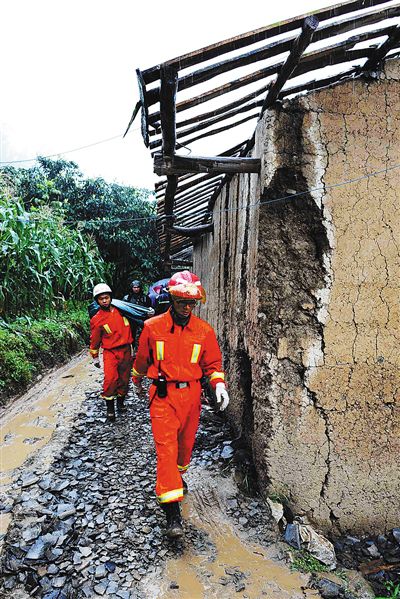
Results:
178 384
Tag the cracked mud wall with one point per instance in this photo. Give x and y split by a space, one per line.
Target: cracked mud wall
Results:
304 294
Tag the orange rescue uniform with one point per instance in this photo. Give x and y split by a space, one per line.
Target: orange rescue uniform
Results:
111 331
183 355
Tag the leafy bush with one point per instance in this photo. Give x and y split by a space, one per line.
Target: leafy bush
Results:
28 347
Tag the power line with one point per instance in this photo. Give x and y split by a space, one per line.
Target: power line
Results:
237 209
96 143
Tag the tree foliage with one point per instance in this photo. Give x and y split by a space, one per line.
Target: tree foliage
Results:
120 219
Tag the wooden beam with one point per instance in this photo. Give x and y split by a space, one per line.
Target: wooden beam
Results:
220 129
155 144
145 108
134 113
316 84
169 80
192 231
252 37
164 165
379 54
169 208
212 121
309 26
325 32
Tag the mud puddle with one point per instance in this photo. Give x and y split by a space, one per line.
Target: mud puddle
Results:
113 541
230 566
27 424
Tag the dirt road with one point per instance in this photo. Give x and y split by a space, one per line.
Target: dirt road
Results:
80 518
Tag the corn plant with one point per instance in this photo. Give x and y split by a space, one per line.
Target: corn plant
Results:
42 261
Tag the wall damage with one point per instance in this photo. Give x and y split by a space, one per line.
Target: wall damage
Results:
303 274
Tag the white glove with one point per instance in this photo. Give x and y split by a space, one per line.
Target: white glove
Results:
96 362
222 396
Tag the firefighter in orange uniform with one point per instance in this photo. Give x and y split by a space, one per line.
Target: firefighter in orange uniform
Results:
111 331
175 350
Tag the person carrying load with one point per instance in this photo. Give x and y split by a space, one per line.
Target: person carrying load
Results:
175 350
110 330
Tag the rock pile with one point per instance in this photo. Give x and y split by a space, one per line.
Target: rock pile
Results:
377 558
90 525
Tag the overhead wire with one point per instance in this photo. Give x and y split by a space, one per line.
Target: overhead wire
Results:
96 143
288 197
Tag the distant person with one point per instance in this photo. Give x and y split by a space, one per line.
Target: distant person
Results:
138 297
175 350
162 301
159 296
111 331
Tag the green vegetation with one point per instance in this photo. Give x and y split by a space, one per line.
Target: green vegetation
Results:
43 262
305 562
393 589
29 347
60 234
120 219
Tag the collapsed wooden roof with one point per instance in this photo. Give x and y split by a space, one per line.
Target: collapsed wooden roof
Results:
296 56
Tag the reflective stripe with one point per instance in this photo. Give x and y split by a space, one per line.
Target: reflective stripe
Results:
217 375
94 352
170 496
136 373
195 353
183 468
107 398
160 350
126 321
107 328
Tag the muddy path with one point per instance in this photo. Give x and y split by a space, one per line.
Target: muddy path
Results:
80 519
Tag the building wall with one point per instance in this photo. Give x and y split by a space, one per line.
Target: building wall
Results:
304 294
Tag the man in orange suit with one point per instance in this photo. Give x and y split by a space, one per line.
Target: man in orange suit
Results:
111 331
175 350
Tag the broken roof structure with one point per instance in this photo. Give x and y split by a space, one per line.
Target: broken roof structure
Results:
218 94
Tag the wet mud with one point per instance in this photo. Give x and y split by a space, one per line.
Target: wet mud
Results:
78 499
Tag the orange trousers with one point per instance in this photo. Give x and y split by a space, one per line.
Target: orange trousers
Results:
117 370
174 421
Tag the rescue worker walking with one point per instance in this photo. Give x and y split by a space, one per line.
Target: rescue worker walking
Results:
175 350
111 331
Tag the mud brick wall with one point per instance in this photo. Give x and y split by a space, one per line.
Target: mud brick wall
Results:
304 294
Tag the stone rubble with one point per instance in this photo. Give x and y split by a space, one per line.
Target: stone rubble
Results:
90 526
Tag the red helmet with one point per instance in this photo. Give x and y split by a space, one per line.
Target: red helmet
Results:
186 285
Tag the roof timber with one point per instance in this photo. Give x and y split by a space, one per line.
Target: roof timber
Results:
273 49
251 37
186 197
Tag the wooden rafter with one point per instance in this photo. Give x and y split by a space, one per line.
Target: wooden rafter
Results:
379 54
186 198
164 165
257 35
299 45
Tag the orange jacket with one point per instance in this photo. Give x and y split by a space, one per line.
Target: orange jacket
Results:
109 329
184 354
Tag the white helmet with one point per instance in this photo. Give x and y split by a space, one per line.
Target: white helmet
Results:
101 288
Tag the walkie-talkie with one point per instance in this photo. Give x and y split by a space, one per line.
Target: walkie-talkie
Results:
161 385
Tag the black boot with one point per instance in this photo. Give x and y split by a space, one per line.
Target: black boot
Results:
121 407
110 410
174 520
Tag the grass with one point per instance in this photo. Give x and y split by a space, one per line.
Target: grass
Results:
393 589
305 562
29 347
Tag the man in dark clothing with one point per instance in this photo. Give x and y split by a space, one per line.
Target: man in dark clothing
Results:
136 296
